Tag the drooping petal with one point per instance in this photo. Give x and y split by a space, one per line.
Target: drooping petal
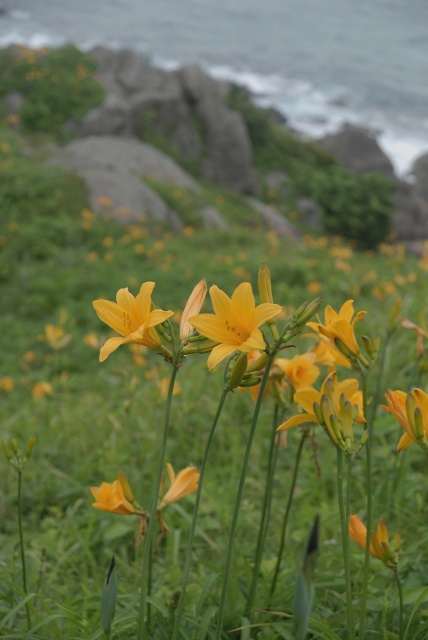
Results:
301 418
219 353
405 441
111 345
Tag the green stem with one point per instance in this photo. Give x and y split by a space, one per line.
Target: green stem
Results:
369 514
21 545
400 598
245 461
382 360
142 628
187 564
265 512
287 512
344 524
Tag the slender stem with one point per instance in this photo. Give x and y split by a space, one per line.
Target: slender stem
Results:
369 513
142 628
245 461
382 360
287 512
21 545
265 513
345 540
187 563
400 598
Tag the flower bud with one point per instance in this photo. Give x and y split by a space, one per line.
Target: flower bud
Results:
192 308
6 449
265 284
238 372
30 445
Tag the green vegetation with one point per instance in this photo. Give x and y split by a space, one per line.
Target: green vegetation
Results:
56 257
57 85
356 207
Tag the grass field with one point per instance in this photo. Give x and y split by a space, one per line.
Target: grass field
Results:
92 420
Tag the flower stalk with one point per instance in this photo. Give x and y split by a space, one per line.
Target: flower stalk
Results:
344 517
142 628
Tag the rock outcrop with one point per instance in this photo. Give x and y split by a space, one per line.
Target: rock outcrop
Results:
358 150
183 111
115 168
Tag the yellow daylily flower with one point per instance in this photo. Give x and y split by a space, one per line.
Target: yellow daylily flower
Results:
336 407
133 318
340 326
193 306
183 483
325 353
235 323
379 542
301 370
116 497
411 411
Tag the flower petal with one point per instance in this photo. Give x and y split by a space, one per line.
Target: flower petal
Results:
300 418
265 312
111 345
405 441
220 301
219 353
113 316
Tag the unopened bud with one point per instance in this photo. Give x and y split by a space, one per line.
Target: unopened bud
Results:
127 491
259 364
6 449
393 315
30 445
419 432
238 372
265 284
318 413
253 381
310 309
410 411
14 445
192 308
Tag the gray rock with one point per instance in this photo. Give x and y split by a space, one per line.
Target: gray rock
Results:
273 219
115 167
212 218
13 102
420 174
410 219
358 150
111 118
278 180
309 212
182 109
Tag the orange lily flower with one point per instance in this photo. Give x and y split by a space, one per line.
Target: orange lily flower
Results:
116 497
379 542
340 326
133 318
235 323
411 411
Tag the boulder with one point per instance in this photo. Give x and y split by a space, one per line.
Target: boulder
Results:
182 111
420 174
115 167
309 213
410 219
12 103
273 219
279 181
212 218
357 149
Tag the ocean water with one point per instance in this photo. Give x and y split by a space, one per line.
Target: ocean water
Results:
320 62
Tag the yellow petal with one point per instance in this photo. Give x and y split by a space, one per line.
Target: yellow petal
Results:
300 418
219 353
265 312
113 316
220 301
405 441
111 345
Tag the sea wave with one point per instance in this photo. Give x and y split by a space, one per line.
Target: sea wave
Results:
311 111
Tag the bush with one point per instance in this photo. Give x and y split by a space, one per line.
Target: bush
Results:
356 207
